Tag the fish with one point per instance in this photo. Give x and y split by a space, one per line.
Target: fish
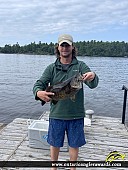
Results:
114 156
66 89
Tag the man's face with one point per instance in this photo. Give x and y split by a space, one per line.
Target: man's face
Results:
65 50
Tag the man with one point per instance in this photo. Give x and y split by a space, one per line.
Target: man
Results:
67 115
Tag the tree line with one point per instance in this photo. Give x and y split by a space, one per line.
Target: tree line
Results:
84 48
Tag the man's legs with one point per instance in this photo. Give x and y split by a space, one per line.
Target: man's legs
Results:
73 153
75 134
54 154
56 133
76 138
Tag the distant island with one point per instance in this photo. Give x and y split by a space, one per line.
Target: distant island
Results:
85 48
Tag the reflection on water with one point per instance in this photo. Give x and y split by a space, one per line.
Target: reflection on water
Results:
18 73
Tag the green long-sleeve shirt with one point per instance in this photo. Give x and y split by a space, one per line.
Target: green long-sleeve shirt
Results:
54 73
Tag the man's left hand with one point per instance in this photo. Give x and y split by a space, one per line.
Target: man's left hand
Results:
89 76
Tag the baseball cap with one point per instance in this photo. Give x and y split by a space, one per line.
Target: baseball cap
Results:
65 38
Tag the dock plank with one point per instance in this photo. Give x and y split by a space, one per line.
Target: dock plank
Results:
103 136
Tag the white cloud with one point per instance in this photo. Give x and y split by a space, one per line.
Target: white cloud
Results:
29 19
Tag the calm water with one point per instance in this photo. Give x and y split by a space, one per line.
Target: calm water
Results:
18 73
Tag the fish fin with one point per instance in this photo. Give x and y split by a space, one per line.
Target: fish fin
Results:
73 98
54 101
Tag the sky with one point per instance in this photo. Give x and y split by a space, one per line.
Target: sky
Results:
27 21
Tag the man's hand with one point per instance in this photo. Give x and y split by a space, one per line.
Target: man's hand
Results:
43 95
89 76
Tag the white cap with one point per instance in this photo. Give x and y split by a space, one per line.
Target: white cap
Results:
65 38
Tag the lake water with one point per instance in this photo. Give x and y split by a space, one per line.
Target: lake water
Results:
18 74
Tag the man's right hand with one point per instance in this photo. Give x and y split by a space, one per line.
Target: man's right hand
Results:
43 95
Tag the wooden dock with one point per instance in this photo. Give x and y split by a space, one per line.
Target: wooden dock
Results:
105 135
2 125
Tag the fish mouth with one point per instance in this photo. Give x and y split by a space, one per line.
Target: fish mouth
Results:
80 78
